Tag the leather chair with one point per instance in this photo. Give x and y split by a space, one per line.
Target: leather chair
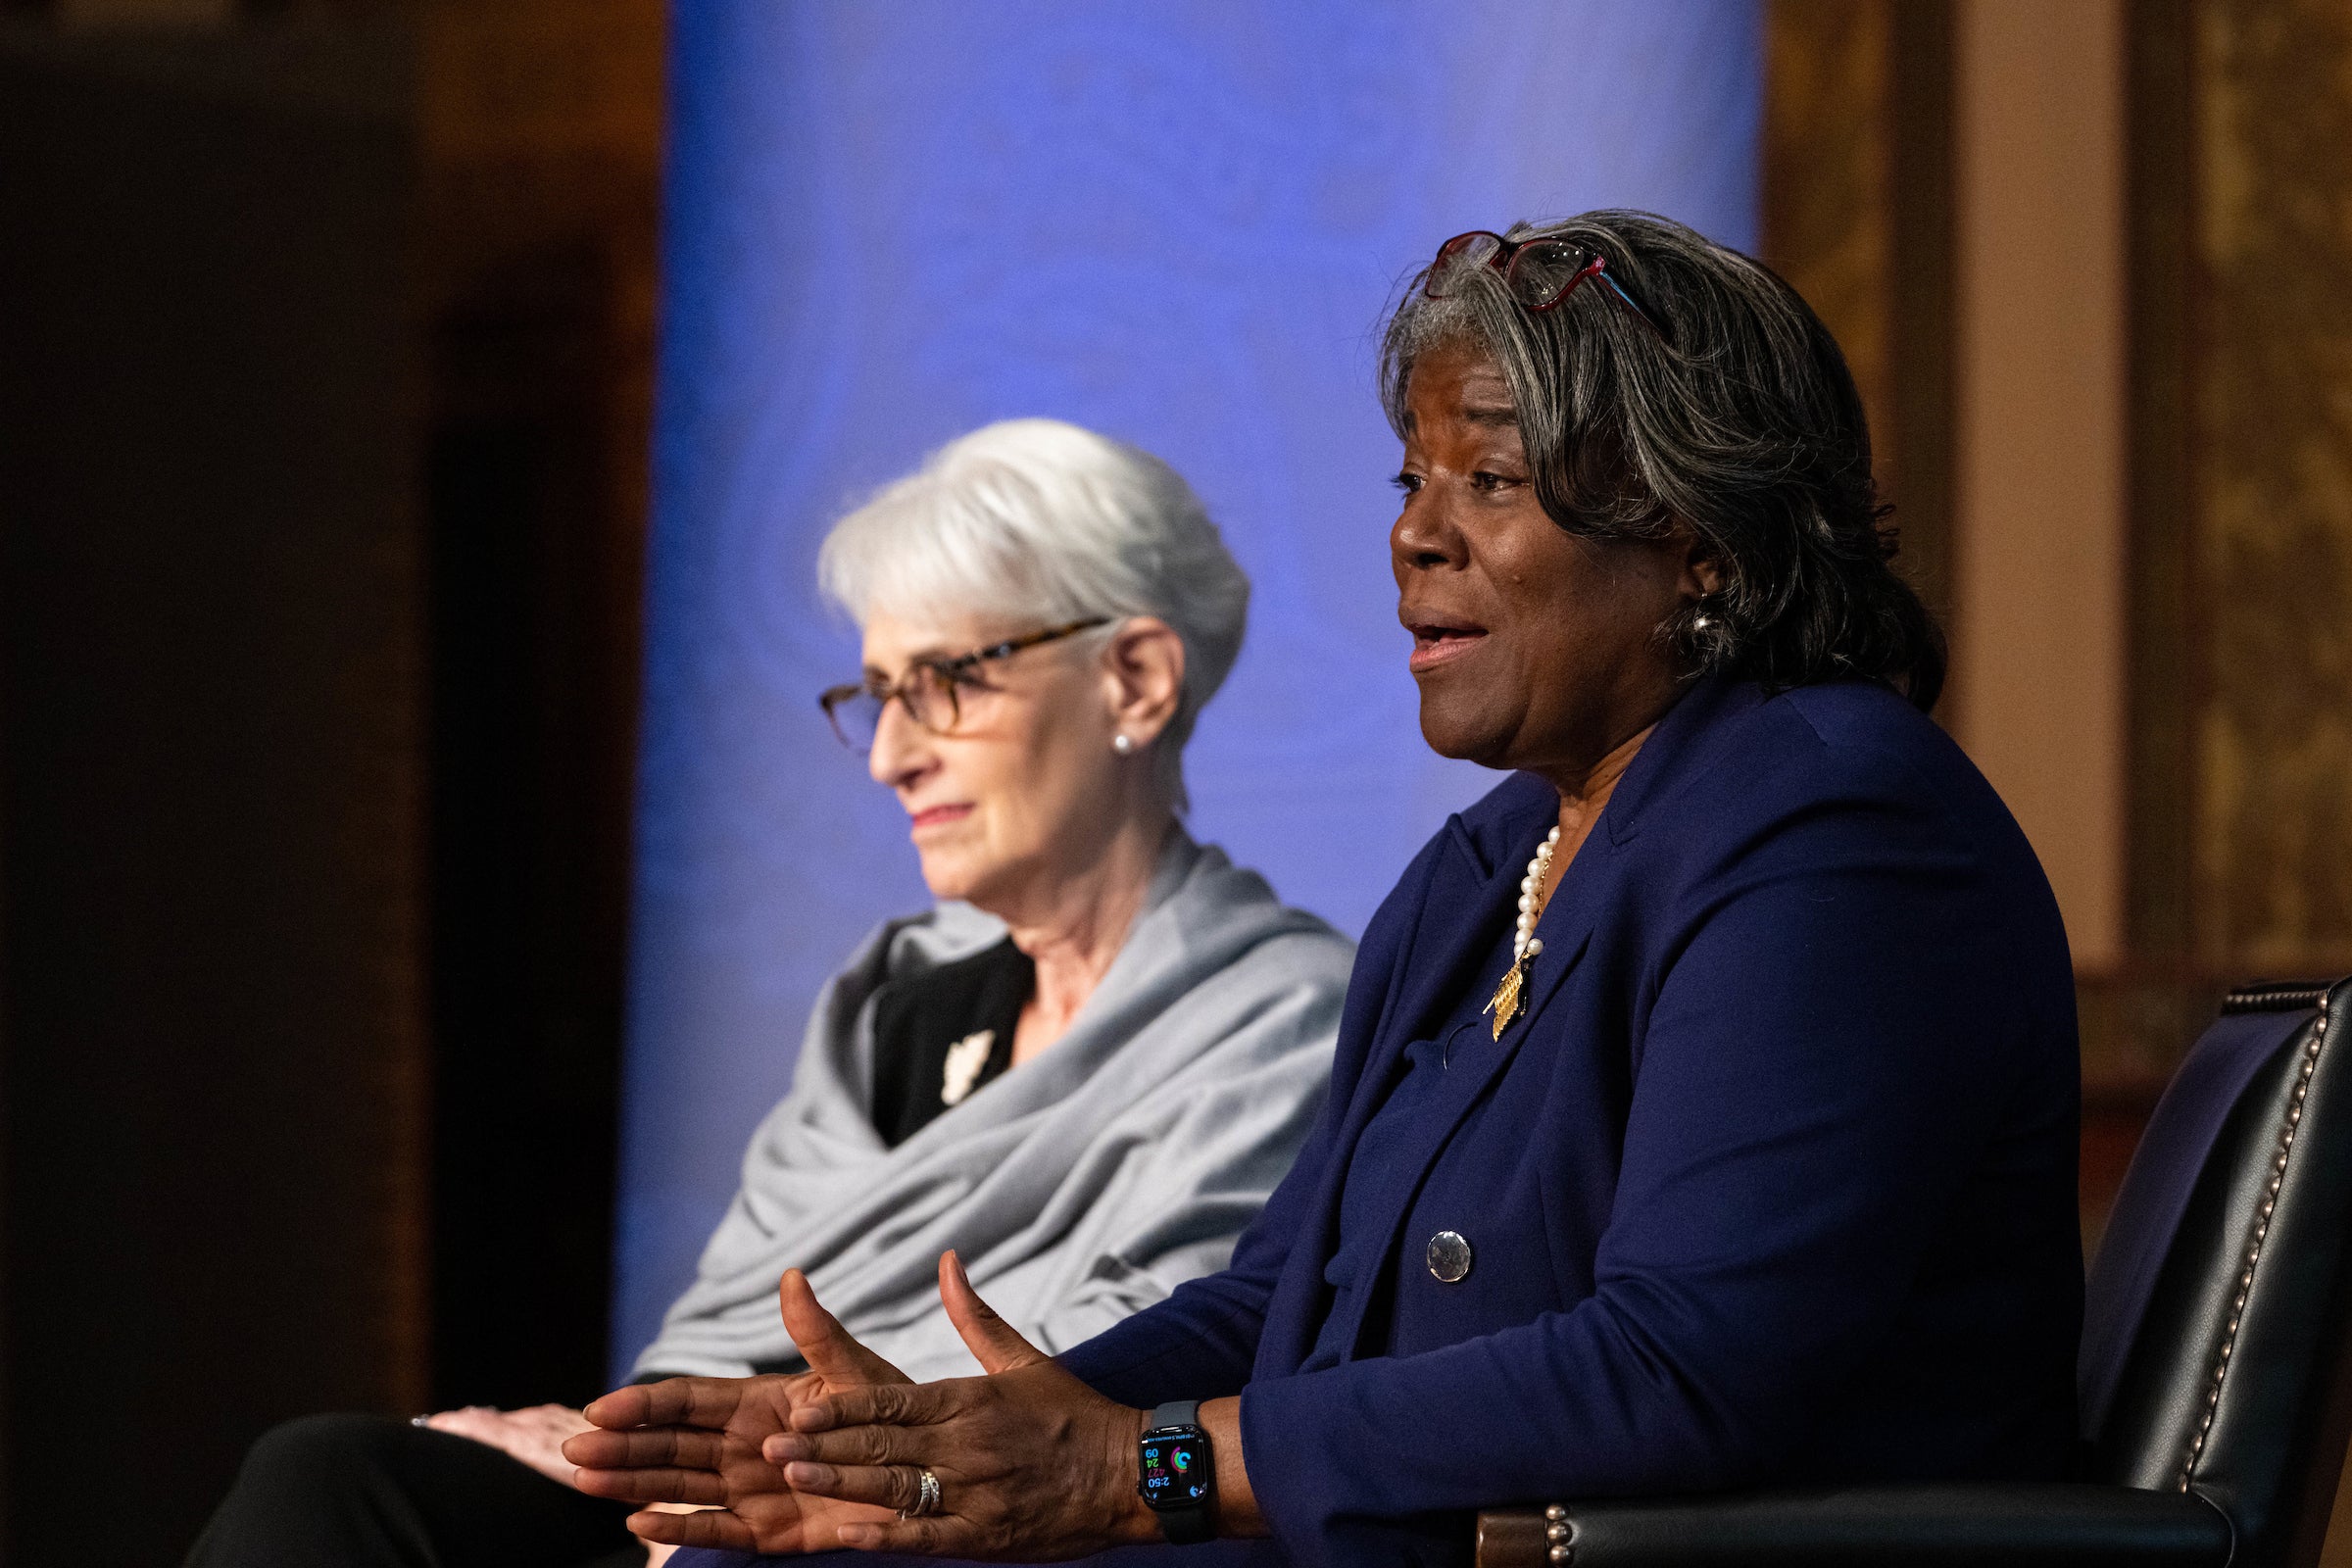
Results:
2215 1395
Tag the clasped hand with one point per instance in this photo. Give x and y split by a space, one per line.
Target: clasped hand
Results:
1032 1464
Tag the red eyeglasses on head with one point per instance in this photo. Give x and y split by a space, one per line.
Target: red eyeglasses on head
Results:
1540 273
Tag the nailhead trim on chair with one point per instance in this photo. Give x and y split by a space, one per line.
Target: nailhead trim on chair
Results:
2277 996
2261 1228
1560 1530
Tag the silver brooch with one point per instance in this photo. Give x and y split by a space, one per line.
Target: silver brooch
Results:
965 1058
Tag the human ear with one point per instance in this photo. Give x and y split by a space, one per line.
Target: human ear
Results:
1701 567
1143 677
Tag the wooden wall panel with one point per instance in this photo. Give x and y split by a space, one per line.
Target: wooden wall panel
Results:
1827 166
2040 299
2272 427
1856 188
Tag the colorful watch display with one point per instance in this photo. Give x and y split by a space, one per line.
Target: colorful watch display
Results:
1178 1473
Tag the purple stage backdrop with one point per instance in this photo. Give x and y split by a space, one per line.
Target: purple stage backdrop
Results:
1176 222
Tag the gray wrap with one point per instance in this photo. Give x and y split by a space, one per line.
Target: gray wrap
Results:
1079 1188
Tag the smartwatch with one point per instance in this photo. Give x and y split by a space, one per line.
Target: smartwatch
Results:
1179 1474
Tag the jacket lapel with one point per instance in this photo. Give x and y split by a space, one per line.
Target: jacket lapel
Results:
1462 914
1470 891
1467 896
1567 929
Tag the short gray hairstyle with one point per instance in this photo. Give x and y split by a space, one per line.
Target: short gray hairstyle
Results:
1038 519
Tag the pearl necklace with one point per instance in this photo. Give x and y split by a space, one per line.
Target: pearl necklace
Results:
1524 944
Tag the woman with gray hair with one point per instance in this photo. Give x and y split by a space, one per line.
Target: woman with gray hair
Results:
1083 1070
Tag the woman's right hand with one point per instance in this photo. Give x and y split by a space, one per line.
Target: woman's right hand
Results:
696 1440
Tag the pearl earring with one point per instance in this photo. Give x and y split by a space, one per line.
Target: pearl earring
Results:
1122 744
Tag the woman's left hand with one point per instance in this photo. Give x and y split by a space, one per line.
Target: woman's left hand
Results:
534 1435
1032 1464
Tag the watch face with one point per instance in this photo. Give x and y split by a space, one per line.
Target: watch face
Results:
1175 1471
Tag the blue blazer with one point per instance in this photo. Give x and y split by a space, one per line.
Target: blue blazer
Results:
1773 1181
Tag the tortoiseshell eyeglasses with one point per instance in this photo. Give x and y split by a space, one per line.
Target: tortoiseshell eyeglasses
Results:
928 690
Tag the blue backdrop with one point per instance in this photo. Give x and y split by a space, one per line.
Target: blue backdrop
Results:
1176 222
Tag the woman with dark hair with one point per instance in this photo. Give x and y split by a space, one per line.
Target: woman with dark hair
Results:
1705 1104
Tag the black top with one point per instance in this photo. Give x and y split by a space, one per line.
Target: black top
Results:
918 1022
924 1020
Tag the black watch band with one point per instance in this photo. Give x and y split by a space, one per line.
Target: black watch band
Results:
1175 1439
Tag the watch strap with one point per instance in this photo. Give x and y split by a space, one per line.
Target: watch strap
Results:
1177 1413
1187 1526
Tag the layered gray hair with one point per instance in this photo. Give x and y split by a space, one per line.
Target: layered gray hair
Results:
1736 418
1039 520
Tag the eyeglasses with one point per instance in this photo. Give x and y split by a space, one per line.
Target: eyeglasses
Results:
1540 273
928 690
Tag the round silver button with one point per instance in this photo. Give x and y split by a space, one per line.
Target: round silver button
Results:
1448 1257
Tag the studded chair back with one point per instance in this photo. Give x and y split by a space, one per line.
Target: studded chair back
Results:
2214 1356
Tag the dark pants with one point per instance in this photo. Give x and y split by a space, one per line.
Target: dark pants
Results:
366 1491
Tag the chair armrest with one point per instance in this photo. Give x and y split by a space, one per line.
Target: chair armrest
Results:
1982 1525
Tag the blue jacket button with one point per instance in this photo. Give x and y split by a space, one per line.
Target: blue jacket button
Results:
1448 1257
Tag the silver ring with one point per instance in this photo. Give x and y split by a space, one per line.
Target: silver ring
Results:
927 1502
